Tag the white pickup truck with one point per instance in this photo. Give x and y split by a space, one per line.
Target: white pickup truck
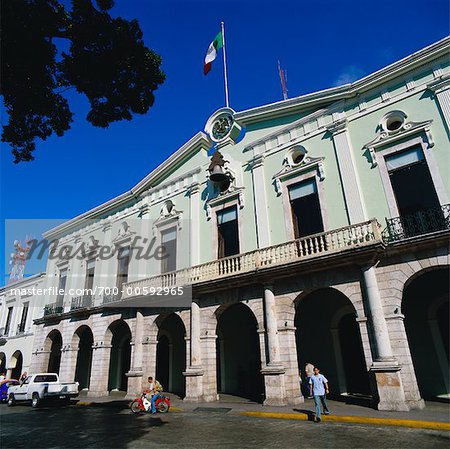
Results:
38 387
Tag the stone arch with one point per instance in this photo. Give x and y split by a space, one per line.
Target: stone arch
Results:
238 351
425 305
419 271
83 340
15 364
171 352
2 363
118 337
331 339
52 345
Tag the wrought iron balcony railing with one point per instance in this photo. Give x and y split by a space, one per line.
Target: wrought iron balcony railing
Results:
81 302
53 309
419 223
313 246
112 297
20 329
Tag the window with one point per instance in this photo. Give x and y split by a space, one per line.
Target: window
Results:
228 233
305 205
23 320
393 121
45 378
169 246
296 155
122 269
61 286
8 320
414 190
89 282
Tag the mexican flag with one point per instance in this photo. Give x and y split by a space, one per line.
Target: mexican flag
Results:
211 54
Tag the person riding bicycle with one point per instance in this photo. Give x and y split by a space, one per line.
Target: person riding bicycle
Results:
153 392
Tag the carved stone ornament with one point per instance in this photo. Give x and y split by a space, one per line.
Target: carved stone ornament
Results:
123 234
385 137
167 214
290 170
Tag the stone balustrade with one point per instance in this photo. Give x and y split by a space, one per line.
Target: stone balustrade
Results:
312 246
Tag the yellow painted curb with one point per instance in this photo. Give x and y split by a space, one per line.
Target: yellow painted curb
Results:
83 404
434 425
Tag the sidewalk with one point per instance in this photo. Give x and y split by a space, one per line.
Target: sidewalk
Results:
434 416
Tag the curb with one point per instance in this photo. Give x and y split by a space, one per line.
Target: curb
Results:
415 424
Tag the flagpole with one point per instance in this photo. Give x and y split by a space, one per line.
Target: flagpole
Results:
227 102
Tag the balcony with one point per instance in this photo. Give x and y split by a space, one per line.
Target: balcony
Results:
81 302
419 223
306 248
20 329
108 299
53 309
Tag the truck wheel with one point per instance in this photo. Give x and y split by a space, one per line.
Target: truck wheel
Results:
35 400
11 400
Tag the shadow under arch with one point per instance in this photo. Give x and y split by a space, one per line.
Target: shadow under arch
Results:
83 340
425 304
328 336
2 363
119 334
16 364
238 353
53 343
171 353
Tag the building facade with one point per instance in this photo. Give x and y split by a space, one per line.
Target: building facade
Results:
312 229
18 310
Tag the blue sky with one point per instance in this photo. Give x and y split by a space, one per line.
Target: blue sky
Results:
320 43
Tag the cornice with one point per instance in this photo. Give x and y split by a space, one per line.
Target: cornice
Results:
440 84
199 141
350 90
385 138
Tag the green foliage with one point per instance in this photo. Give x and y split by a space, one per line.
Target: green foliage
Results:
106 60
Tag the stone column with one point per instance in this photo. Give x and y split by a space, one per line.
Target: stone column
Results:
101 354
194 372
135 374
149 346
386 380
441 91
194 225
273 372
68 364
39 361
288 358
349 177
260 196
103 276
208 341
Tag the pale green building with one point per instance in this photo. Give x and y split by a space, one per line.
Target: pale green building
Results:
312 229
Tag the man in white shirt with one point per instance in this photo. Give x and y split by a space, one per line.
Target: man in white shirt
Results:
318 387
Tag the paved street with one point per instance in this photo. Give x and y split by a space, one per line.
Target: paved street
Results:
108 427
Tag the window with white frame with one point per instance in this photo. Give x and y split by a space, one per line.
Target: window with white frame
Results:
414 190
411 181
227 232
89 281
123 259
61 286
8 321
305 207
23 319
169 250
